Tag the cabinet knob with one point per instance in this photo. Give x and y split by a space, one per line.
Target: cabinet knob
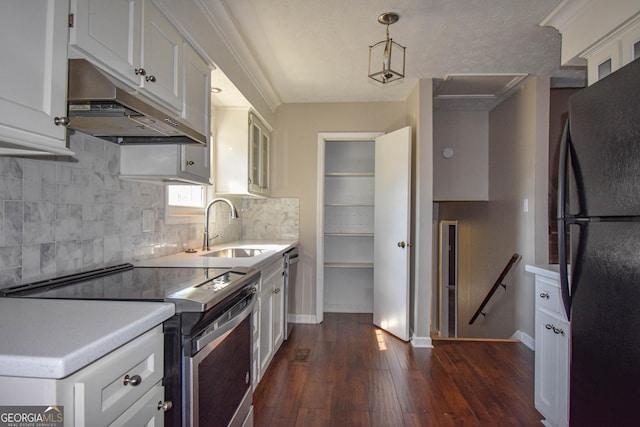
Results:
61 121
555 330
165 406
150 78
140 71
276 290
190 163
402 245
133 380
544 295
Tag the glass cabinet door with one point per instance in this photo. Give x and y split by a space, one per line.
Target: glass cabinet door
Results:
254 155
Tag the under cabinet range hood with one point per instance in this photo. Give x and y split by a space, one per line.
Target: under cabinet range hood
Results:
101 106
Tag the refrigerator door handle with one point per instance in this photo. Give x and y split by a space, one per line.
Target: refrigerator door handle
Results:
562 197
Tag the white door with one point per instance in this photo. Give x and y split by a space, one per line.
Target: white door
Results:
391 232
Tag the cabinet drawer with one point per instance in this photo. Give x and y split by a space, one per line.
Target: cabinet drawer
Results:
145 411
548 295
105 389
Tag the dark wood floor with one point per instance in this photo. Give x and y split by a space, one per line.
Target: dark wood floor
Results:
346 372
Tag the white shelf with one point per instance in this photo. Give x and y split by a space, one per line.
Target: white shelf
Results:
348 205
349 181
349 174
349 234
348 265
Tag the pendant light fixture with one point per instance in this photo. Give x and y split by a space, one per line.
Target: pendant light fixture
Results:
386 58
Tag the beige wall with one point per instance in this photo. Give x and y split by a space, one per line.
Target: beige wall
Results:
465 176
490 232
420 117
294 167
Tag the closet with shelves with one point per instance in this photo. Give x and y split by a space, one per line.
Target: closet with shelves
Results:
348 225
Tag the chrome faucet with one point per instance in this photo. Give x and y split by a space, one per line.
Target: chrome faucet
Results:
234 215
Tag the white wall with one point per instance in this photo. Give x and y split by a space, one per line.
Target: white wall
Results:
490 232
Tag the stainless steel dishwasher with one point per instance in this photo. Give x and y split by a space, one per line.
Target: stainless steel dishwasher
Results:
291 258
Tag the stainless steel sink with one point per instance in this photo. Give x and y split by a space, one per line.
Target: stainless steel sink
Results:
235 253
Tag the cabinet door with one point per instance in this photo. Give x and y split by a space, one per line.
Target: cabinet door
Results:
266 327
551 367
259 146
254 155
162 59
33 76
265 148
194 160
197 91
110 32
278 313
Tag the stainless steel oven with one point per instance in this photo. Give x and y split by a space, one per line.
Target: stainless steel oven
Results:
217 370
208 342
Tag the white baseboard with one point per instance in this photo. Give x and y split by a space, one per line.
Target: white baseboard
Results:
423 342
302 318
525 339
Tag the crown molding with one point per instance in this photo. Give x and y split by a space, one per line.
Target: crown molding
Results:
224 25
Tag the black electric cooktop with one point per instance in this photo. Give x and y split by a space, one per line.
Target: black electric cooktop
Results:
192 289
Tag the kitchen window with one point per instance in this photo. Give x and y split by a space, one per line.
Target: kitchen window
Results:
185 203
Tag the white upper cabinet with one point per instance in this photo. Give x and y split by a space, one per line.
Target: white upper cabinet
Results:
169 164
196 108
242 153
33 77
135 42
161 72
111 33
606 34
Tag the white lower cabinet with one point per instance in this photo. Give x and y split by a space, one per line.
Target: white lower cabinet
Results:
122 388
552 337
270 315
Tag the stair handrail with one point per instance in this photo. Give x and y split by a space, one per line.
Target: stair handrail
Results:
513 260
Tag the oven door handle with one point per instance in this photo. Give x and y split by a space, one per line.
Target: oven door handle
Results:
221 330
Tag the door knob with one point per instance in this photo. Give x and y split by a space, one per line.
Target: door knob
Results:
401 244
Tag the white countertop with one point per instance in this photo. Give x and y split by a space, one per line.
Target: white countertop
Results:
53 338
184 259
547 270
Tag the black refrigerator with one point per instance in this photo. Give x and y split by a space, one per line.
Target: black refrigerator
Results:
599 206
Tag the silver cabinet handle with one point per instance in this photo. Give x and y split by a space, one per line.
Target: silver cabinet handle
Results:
140 71
150 78
132 380
276 290
61 121
190 163
544 295
165 406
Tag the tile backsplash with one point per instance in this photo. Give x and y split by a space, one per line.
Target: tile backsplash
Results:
63 215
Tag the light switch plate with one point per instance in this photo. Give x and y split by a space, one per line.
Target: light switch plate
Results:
148 220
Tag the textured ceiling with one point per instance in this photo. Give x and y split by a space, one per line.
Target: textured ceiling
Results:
317 51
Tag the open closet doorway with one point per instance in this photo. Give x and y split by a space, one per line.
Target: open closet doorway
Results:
448 279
